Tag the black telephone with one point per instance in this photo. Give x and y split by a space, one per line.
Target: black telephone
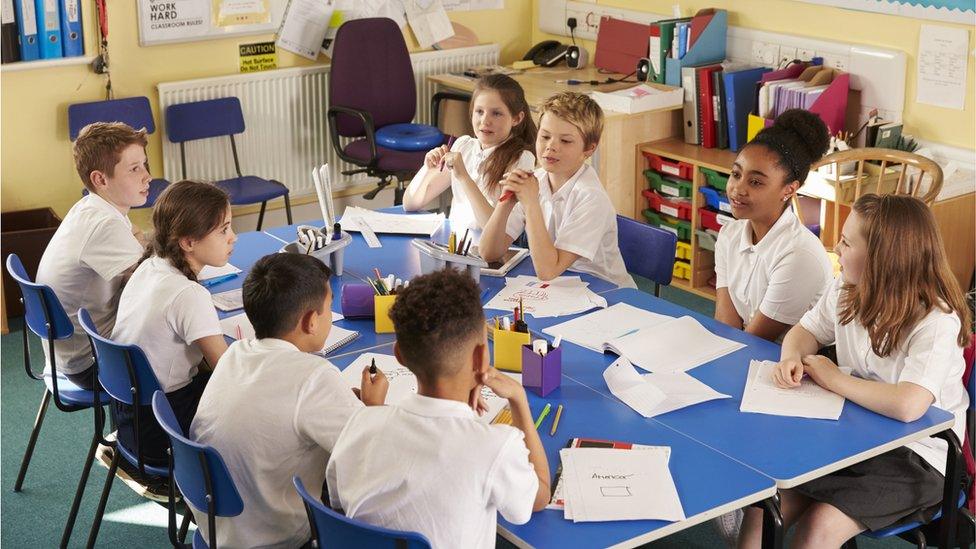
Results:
546 53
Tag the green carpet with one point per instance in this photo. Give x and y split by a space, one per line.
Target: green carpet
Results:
35 517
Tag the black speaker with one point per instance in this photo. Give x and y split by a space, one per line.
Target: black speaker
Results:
643 69
576 57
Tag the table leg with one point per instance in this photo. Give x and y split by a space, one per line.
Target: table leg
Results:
772 530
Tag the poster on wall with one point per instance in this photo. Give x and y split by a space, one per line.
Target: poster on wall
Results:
950 11
167 21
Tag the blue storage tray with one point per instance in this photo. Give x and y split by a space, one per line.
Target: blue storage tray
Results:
716 199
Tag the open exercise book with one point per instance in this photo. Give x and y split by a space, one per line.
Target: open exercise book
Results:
809 400
403 382
656 343
239 326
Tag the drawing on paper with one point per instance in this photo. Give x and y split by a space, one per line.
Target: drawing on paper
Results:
615 491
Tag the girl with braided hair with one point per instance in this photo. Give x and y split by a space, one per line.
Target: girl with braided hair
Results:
167 313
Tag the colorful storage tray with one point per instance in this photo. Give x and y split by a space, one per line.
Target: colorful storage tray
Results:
706 239
713 220
683 250
675 207
718 180
681 270
668 186
669 167
677 226
716 199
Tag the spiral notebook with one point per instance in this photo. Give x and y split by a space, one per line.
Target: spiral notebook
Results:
238 326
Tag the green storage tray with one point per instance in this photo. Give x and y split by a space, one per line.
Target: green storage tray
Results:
667 185
679 227
706 239
718 180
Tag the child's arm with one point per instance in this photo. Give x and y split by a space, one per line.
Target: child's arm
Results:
494 239
725 311
512 390
212 347
797 344
427 185
548 260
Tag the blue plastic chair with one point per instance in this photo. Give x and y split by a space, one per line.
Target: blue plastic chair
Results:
125 374
332 529
44 315
218 118
202 475
134 111
647 251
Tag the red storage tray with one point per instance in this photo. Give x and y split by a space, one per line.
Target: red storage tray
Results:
668 206
713 220
670 167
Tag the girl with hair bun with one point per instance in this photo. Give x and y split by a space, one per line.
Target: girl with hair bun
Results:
769 268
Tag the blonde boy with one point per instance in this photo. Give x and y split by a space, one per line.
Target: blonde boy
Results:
562 207
428 465
96 246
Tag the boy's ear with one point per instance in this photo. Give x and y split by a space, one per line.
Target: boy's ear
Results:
396 352
590 150
308 322
480 361
97 178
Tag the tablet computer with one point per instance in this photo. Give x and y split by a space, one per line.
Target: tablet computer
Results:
512 257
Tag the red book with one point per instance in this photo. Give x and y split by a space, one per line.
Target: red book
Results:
706 109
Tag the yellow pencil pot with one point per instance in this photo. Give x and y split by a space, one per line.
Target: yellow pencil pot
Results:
508 349
381 312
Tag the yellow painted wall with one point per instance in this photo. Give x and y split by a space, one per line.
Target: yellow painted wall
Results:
35 154
949 126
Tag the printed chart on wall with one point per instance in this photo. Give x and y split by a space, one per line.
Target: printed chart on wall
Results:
167 21
951 11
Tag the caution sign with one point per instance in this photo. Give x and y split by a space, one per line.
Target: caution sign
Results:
260 56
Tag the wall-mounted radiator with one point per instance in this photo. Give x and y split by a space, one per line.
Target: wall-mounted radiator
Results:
284 112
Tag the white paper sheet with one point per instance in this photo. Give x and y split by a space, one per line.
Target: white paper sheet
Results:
403 382
681 390
387 223
230 300
558 500
208 272
429 21
231 324
561 296
304 27
942 66
626 384
594 329
603 484
809 400
674 346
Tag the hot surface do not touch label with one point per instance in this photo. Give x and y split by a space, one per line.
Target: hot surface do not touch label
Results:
259 56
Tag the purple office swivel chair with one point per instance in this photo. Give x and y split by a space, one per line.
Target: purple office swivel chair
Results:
373 100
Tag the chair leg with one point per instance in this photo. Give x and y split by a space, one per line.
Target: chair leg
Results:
920 541
97 523
185 525
264 205
80 492
38 421
850 544
288 209
657 290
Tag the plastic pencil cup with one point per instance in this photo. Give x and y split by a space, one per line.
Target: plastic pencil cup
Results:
541 374
508 349
357 301
381 311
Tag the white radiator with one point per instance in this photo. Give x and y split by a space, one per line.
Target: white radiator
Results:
284 113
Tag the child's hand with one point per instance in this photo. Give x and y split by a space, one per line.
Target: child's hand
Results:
433 158
788 373
476 402
374 387
821 369
502 385
522 184
453 161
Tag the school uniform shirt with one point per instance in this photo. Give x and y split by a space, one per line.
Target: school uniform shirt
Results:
782 276
84 264
929 357
164 312
428 465
272 411
462 214
580 219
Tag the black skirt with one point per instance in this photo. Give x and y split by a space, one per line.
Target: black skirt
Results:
896 487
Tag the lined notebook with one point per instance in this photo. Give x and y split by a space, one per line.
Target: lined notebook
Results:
238 326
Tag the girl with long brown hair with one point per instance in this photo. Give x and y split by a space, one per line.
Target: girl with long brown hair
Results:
474 166
899 321
167 313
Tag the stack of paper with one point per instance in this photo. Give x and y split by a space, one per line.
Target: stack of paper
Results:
209 272
354 218
809 400
656 343
654 394
603 484
239 327
565 295
403 382
640 98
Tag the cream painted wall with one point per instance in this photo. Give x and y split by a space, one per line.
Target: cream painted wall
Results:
36 168
952 127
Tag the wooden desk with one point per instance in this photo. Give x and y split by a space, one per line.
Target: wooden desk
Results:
617 153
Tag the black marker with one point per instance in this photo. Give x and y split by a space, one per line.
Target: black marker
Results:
372 367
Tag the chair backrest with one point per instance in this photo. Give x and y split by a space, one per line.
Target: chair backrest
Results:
371 71
906 180
134 111
123 370
647 250
195 465
332 529
204 119
42 308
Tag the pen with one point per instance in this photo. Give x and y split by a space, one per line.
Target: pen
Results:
214 281
468 246
450 142
240 335
542 416
372 370
463 241
555 422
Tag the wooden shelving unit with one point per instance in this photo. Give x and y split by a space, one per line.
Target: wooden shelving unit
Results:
720 160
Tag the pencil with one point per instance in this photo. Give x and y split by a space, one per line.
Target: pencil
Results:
555 422
240 335
463 241
450 142
542 416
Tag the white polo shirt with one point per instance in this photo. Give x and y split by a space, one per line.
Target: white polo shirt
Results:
781 276
428 465
462 214
272 412
164 312
84 265
580 219
929 356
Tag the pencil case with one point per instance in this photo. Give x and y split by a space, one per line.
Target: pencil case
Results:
381 313
542 374
508 349
356 301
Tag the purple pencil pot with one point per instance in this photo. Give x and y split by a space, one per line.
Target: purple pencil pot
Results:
541 374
